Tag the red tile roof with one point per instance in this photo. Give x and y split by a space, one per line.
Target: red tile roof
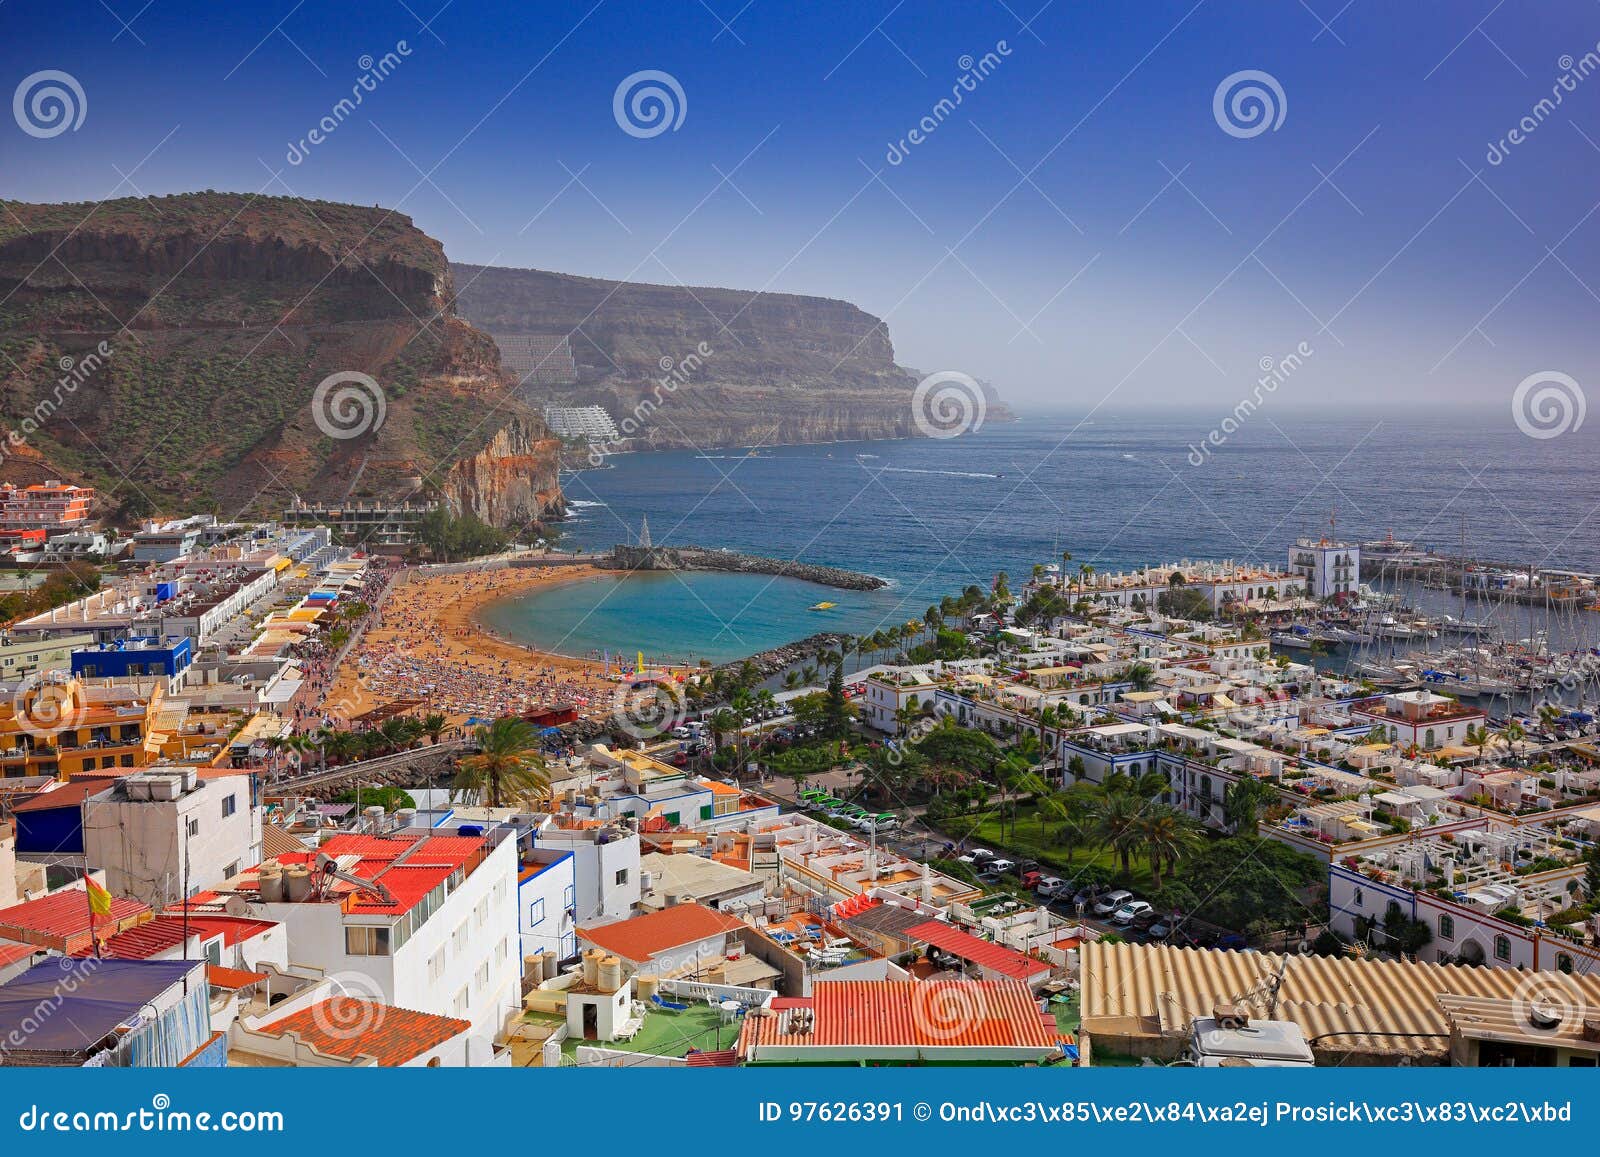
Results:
11 953
63 915
430 860
910 1014
232 928
984 953
232 979
142 942
391 1035
643 937
71 794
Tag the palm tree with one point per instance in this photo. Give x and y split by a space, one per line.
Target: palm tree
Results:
1141 675
1241 805
907 714
721 723
1118 816
1514 735
1478 737
433 727
1168 835
507 764
791 680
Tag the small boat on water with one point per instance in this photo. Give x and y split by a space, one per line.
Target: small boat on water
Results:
822 606
1298 638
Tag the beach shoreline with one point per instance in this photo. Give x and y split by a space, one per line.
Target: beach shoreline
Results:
430 643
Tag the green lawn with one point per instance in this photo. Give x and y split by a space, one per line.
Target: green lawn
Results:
1028 839
672 1034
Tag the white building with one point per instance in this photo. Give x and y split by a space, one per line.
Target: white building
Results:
605 867
1420 719
156 831
1329 568
547 903
415 919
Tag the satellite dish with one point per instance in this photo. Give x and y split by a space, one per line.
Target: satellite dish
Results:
237 906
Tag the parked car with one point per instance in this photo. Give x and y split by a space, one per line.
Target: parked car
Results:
1160 930
977 857
999 867
1111 901
680 732
1131 911
1049 886
1030 877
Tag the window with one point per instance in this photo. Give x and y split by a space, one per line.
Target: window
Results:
1447 927
536 912
229 806
622 876
366 941
1502 948
459 1005
231 870
194 826
481 912
569 898
458 940
436 966
482 977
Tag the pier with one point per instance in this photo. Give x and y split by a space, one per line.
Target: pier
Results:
647 557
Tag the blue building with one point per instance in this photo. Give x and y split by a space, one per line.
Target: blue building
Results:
143 656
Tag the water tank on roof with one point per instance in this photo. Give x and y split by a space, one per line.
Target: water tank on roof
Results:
271 881
470 830
297 884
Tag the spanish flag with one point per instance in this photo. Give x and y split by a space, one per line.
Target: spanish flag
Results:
99 898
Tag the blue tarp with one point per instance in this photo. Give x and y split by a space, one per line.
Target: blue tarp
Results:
68 1005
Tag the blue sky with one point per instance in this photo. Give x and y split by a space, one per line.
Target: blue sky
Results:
1080 231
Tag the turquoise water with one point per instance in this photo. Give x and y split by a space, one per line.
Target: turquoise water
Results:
684 617
1119 490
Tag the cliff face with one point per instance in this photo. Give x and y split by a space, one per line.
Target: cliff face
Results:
695 368
175 352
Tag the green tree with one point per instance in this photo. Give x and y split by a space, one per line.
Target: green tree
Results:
507 764
836 708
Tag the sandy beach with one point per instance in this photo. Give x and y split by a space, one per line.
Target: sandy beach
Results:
427 644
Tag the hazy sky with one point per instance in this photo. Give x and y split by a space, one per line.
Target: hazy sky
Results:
1081 229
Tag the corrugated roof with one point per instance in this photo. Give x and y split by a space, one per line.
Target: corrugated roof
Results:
390 1035
643 937
907 1013
277 842
65 914
1156 990
141 942
984 953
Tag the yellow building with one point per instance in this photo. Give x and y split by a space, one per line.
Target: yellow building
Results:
59 725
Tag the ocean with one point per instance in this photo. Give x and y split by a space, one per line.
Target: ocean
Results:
1119 490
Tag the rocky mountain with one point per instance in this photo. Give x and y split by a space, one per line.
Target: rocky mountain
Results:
228 352
680 367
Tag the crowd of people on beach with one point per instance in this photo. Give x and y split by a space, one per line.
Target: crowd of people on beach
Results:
409 653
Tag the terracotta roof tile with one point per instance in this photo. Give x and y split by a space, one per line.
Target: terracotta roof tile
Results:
984 953
391 1035
643 937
